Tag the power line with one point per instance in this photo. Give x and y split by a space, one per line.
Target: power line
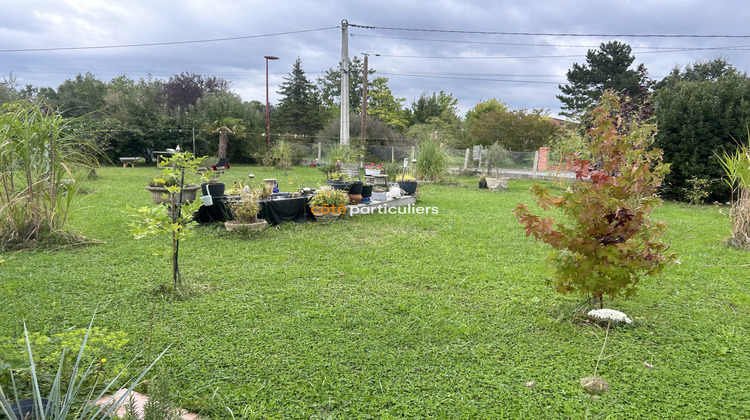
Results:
668 49
484 79
485 57
156 44
548 33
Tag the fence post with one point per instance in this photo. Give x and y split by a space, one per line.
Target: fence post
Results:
536 160
412 152
393 154
543 158
466 159
320 149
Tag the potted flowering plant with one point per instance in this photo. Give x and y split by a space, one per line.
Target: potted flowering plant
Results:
327 205
408 183
373 169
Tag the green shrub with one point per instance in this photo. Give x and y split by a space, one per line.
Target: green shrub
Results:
280 156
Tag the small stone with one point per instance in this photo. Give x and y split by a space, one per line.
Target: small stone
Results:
609 315
648 365
529 384
594 385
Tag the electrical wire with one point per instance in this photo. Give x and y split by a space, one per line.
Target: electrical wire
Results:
638 48
549 33
157 44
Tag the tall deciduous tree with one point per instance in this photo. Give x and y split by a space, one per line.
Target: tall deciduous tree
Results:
440 105
484 107
381 104
330 87
83 95
517 130
606 68
300 110
183 90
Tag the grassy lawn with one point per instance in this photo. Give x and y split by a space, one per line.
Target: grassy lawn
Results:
390 316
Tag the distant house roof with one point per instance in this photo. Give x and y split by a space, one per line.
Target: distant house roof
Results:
558 122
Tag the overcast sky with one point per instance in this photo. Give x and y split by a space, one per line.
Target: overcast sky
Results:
516 52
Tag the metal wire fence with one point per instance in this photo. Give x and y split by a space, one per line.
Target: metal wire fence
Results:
457 158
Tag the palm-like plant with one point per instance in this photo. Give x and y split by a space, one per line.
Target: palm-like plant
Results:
737 169
224 127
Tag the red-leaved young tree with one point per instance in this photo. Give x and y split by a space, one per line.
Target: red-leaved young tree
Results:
606 240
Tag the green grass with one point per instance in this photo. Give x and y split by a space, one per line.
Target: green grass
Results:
393 316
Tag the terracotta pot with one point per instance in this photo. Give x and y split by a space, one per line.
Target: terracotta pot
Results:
354 199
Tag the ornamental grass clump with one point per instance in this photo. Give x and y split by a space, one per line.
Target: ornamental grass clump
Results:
432 160
607 241
737 169
42 166
246 209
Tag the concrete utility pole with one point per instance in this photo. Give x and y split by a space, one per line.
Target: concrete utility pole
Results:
344 134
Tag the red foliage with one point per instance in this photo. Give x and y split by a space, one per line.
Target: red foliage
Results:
606 240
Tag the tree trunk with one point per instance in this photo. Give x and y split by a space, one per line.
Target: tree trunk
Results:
223 140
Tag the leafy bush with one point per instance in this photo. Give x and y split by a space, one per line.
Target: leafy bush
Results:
607 240
101 345
332 198
696 190
432 160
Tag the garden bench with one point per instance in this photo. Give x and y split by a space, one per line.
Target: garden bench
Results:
128 161
350 170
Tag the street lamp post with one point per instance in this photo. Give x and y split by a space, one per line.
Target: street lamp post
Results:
364 102
268 126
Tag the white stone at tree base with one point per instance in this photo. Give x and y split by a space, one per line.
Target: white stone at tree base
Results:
609 315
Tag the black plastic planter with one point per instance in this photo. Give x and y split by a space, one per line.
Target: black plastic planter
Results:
356 187
214 190
409 187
